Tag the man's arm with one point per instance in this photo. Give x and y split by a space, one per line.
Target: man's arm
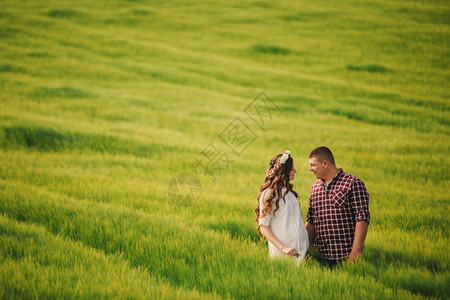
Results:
309 221
358 242
311 232
360 205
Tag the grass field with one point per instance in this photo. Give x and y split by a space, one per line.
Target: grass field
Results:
102 103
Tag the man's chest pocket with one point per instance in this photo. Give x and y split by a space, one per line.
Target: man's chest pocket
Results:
339 197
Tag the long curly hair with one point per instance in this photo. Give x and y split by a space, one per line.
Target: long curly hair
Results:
275 182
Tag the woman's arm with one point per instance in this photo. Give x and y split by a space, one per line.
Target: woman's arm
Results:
268 234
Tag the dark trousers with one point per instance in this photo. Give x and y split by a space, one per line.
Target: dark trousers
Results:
333 263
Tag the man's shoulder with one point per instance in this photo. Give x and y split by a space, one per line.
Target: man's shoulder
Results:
317 188
348 179
317 184
348 176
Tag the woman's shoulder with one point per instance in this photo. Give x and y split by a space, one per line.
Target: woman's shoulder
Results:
284 192
265 193
290 194
267 190
270 192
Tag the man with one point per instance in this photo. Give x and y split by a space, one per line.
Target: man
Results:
338 213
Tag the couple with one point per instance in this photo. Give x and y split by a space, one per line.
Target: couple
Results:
337 217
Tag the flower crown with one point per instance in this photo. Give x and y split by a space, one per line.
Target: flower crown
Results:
283 158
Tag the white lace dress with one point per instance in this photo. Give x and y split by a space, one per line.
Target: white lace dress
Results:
287 225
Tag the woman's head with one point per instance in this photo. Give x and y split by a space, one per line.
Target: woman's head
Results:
281 168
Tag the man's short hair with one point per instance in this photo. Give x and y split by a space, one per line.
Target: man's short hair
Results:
322 153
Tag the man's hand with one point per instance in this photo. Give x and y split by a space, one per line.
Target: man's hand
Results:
354 255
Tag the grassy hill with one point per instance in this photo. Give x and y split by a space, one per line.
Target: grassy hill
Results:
102 103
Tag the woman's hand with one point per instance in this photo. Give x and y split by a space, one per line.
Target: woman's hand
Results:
290 251
267 232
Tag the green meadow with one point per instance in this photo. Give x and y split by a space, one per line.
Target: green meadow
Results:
103 103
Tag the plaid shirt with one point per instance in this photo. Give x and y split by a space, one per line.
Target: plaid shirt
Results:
334 211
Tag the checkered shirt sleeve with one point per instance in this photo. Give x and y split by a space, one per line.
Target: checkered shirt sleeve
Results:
360 203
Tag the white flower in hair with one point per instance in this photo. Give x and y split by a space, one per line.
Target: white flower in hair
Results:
285 156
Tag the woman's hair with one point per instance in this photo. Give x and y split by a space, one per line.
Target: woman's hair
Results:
275 181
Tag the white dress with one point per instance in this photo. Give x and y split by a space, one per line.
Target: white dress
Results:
287 225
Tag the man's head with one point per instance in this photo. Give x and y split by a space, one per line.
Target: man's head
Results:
321 163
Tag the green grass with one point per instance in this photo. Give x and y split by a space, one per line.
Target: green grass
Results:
103 102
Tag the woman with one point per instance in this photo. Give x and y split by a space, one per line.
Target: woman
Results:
279 219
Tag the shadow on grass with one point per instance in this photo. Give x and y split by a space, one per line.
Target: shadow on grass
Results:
399 270
371 68
46 139
63 13
383 257
60 92
271 49
7 68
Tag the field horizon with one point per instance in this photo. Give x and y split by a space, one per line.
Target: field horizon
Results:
107 108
